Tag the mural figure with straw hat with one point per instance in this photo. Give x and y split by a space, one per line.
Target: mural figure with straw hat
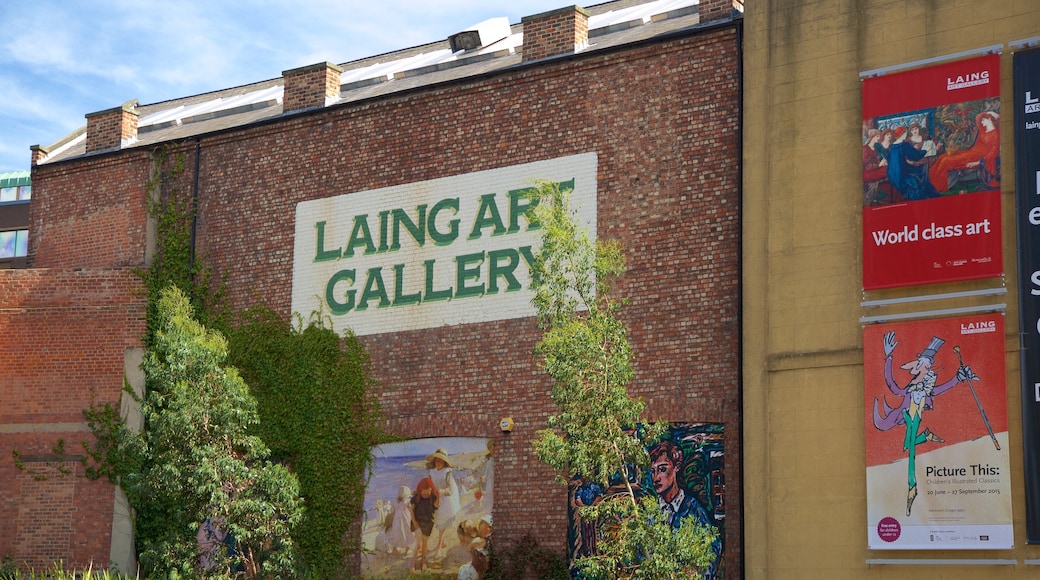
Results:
440 470
918 396
458 489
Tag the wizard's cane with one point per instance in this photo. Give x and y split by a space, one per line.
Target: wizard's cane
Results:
957 351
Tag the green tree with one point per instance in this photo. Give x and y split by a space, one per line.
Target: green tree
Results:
312 409
196 459
596 432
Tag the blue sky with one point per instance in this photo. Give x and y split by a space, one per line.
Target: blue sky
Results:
63 59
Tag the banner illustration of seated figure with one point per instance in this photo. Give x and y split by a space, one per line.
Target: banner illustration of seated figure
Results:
938 473
931 174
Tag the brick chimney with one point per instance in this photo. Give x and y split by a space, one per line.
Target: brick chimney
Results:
112 128
310 87
39 153
709 10
561 31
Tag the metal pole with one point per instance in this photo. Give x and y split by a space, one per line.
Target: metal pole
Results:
957 351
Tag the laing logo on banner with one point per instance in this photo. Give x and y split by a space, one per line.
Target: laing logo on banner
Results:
1032 106
968 80
977 327
447 251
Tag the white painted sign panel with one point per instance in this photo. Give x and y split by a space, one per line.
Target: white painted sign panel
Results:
454 250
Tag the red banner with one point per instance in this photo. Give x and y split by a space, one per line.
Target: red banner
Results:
931 175
938 467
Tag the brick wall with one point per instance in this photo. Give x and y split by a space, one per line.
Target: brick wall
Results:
112 128
63 335
89 214
663 119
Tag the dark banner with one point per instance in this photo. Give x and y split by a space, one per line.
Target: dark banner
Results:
931 174
1027 176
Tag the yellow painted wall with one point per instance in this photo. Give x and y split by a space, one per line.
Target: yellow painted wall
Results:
805 488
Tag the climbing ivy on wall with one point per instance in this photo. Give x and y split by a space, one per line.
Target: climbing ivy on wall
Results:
170 207
311 385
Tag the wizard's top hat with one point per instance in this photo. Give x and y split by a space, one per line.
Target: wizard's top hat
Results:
933 347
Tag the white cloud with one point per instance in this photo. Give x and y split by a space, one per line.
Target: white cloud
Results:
60 60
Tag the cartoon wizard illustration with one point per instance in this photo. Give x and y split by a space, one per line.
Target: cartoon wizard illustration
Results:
918 396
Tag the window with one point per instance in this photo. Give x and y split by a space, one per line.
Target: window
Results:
16 193
14 244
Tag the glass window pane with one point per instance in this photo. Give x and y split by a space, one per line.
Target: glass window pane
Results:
14 244
21 244
7 240
9 194
25 192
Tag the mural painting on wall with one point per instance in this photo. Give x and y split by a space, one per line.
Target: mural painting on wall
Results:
428 507
931 174
686 476
938 468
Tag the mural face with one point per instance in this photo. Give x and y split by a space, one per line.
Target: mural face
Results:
686 476
428 507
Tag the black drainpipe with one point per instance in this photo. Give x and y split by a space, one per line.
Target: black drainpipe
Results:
740 288
195 203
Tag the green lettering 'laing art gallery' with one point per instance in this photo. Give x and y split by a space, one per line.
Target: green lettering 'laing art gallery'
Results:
453 250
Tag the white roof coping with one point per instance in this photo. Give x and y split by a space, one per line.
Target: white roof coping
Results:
643 12
410 66
178 114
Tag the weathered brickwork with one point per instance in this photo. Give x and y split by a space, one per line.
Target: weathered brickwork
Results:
64 334
662 118
89 214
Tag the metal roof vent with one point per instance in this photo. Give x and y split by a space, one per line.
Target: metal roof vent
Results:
488 32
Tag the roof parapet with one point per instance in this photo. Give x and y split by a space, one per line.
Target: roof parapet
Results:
311 87
556 32
111 129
